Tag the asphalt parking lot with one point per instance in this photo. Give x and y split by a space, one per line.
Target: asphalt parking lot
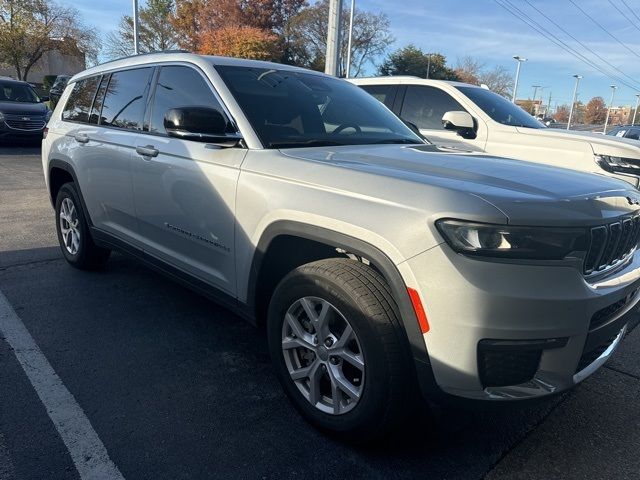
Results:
176 387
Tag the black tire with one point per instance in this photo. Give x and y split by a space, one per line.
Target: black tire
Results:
87 256
363 297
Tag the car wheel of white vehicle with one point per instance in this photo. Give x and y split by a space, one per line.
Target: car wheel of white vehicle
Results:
73 232
337 350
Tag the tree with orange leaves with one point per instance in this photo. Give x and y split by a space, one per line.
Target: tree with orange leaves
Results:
241 42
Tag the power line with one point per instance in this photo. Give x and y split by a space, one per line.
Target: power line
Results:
630 9
586 47
624 15
522 16
603 28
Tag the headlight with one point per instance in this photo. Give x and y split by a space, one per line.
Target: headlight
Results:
540 243
618 164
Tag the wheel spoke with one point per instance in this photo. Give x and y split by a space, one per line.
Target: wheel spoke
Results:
336 398
302 373
345 338
308 309
314 383
289 342
300 332
337 377
353 358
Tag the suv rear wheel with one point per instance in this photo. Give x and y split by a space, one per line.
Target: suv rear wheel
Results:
337 349
73 232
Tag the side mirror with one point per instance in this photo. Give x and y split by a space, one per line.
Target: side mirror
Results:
201 124
44 99
462 122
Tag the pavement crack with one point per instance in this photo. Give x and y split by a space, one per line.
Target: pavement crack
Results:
32 262
632 375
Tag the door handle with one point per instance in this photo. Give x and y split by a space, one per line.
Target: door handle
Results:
147 151
81 137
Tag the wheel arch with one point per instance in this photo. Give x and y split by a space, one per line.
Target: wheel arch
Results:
60 172
326 240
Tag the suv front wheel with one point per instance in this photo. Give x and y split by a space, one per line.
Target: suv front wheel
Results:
336 346
73 232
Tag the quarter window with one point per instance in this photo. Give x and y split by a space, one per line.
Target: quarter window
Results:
179 87
425 106
125 98
80 99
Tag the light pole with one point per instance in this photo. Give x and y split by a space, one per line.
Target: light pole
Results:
533 104
515 84
606 122
575 95
635 112
333 38
353 10
136 37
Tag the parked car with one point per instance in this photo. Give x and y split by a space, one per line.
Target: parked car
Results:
451 112
57 88
632 132
379 265
22 113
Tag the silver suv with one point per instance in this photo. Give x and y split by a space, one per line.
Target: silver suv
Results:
379 265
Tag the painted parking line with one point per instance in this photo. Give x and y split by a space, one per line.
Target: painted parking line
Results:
88 453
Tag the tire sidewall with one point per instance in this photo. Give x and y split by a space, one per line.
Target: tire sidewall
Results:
68 191
372 403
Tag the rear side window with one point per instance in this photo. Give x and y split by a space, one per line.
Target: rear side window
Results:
384 93
634 134
425 106
125 98
179 86
80 99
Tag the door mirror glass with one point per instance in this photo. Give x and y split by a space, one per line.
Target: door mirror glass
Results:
203 124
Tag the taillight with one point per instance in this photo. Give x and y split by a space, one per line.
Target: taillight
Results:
44 132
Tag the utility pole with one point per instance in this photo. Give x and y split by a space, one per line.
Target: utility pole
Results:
333 38
535 92
548 112
353 11
515 85
575 95
613 94
428 65
136 36
635 112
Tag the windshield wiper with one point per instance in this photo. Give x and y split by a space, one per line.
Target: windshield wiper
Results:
404 141
305 143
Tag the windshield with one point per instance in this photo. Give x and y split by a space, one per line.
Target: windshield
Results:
17 92
293 109
499 108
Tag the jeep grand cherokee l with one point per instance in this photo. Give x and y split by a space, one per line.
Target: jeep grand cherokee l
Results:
379 265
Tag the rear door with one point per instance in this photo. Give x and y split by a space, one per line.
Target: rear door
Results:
107 148
185 190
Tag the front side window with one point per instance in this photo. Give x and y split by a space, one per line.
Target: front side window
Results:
123 105
634 134
80 99
179 86
17 92
499 108
425 106
297 109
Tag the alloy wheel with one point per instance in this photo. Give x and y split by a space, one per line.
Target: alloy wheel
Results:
69 227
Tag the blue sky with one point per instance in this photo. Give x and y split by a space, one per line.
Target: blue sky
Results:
486 31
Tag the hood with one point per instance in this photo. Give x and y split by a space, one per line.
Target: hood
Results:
527 193
23 108
601 144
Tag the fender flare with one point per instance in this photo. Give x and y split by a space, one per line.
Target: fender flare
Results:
409 322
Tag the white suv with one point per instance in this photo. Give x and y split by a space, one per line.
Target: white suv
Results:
455 114
379 265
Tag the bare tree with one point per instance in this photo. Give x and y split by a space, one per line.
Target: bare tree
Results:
31 28
498 78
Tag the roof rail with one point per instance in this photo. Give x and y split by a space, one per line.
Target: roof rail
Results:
146 53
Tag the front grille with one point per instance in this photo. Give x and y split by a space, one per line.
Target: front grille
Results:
611 244
590 356
25 122
605 314
504 368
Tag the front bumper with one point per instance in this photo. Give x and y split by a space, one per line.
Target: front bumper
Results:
470 302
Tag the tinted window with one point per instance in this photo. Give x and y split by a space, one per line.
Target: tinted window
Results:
124 101
634 134
96 109
383 93
618 132
296 109
499 108
17 92
425 106
179 87
79 103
